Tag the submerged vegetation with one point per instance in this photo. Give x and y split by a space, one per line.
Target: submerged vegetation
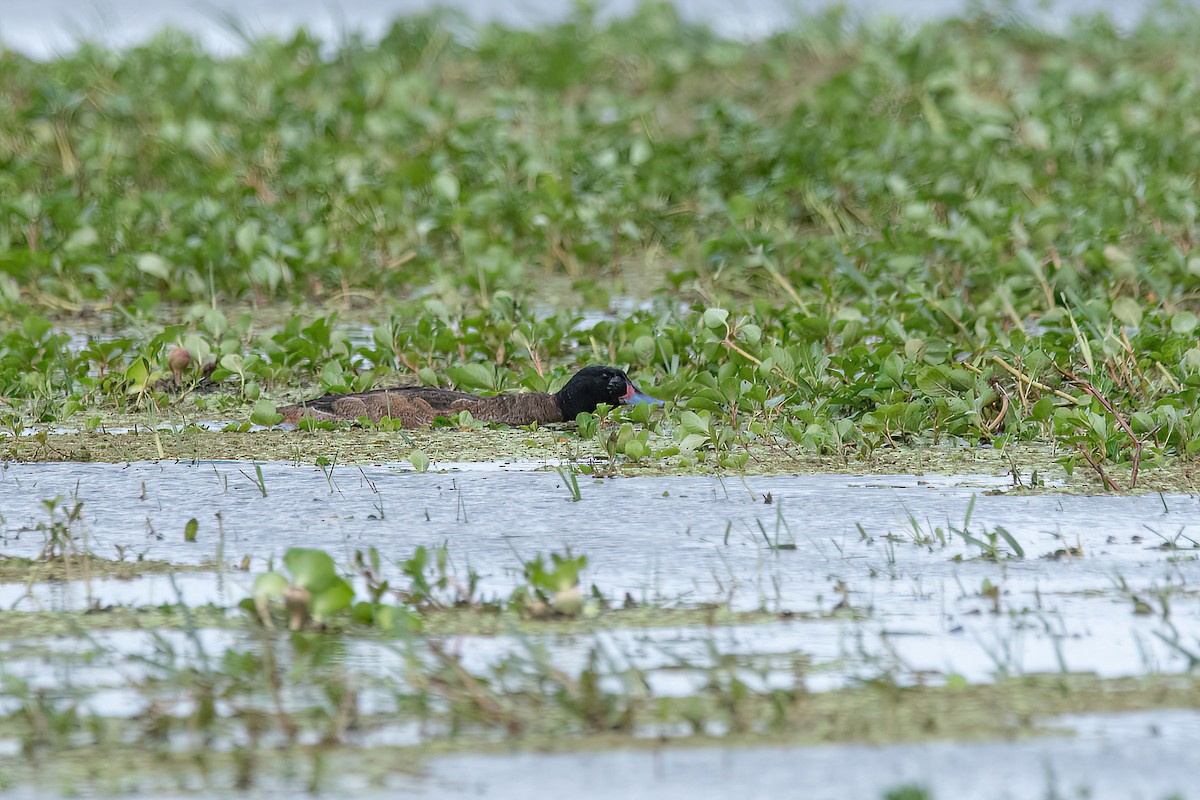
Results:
839 239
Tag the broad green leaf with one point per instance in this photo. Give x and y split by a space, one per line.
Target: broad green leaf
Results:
270 584
1184 322
715 317
310 569
155 265
334 597
1128 311
264 413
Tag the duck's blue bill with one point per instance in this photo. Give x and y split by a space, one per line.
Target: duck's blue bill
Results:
642 397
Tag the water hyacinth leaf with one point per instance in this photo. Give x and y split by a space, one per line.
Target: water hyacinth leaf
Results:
336 596
363 613
419 460
1184 322
35 327
154 265
641 413
1142 422
1128 311
264 414
137 376
644 349
693 423
247 236
82 237
310 569
473 376
270 584
1043 409
446 186
265 270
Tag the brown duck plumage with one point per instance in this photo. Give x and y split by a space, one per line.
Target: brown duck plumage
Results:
417 406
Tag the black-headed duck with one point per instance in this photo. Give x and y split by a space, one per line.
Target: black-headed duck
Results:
417 406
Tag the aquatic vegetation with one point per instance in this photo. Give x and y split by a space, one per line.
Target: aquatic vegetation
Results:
312 595
980 245
966 246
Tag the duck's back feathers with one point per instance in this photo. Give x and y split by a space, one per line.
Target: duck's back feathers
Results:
417 406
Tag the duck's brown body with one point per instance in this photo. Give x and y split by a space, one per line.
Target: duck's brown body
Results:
417 406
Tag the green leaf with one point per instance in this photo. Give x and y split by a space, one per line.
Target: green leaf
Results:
336 596
155 265
693 422
419 460
270 584
1012 542
363 613
310 569
232 362
81 237
1184 322
644 348
137 375
715 317
264 414
445 186
1042 409
473 376
1128 311
247 236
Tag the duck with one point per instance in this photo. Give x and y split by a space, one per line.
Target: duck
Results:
418 406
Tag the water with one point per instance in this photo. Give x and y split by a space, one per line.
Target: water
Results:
1111 762
915 605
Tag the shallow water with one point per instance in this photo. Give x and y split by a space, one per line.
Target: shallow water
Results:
1110 762
1128 756
670 536
911 593
917 608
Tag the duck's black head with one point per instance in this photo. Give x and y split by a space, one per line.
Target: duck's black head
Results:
592 386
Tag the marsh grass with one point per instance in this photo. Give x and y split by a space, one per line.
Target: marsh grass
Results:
570 480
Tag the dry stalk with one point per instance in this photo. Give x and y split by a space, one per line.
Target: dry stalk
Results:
1121 421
